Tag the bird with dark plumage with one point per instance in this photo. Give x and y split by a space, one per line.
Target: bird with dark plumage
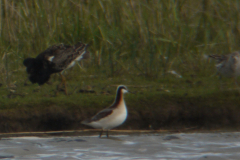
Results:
54 59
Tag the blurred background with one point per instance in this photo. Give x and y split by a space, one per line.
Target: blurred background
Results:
142 38
155 47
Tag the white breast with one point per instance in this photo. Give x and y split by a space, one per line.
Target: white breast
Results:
118 116
71 65
80 57
73 62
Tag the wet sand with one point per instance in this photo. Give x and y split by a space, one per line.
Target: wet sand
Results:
197 146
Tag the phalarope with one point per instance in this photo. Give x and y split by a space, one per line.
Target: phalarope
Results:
54 59
228 65
112 116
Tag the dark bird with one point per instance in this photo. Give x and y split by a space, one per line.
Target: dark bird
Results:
54 59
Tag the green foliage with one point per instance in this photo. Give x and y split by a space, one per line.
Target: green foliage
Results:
139 40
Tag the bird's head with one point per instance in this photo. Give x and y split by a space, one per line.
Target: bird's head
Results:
122 89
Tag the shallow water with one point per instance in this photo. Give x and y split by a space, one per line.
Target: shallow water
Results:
197 146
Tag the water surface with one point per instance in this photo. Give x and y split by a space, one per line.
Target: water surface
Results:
197 146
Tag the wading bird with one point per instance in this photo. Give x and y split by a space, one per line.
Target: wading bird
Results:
55 59
112 116
228 65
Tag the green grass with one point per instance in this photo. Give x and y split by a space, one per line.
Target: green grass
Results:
132 42
127 37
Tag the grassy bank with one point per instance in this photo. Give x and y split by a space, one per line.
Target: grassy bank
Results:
157 48
155 105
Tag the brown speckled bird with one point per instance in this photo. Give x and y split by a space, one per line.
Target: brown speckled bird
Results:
228 65
54 59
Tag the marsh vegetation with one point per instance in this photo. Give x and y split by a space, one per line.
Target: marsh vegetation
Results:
157 48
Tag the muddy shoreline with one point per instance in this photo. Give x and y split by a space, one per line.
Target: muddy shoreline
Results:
146 112
114 132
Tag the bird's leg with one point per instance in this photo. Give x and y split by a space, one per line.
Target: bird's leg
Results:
63 82
58 87
107 134
100 134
